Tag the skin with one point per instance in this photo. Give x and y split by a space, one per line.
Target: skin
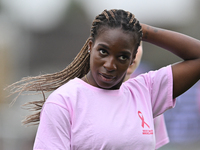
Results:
111 54
185 74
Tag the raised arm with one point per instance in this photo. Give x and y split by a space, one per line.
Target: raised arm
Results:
187 72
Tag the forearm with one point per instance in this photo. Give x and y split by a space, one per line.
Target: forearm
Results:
185 73
181 45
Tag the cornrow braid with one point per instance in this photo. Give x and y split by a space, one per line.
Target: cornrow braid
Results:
117 19
79 66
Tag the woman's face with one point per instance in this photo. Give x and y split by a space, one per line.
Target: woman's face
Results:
110 55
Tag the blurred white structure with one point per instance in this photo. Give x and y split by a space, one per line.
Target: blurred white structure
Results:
159 12
36 14
46 14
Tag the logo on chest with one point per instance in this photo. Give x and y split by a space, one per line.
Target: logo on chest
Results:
144 124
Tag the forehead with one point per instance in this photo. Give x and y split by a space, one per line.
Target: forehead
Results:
116 37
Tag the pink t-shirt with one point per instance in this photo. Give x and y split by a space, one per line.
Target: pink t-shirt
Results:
80 116
161 135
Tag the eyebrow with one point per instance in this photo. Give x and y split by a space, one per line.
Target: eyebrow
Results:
104 46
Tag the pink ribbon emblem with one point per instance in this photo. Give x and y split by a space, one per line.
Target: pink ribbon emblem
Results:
142 118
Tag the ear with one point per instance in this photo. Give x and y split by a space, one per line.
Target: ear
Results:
90 44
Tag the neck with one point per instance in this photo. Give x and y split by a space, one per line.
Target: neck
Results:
127 77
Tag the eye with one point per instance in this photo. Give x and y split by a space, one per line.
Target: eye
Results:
103 52
123 57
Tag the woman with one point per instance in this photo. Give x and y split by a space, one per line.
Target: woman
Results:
93 109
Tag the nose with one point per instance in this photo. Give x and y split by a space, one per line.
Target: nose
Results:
110 64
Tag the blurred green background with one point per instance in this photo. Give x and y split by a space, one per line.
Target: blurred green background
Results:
39 37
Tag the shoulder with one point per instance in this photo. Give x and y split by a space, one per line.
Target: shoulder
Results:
66 93
150 76
151 82
69 88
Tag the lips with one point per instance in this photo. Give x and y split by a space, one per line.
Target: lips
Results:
107 77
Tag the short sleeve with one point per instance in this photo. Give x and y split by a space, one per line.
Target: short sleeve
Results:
161 89
54 128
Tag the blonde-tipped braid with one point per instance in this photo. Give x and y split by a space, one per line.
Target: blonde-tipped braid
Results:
80 65
49 82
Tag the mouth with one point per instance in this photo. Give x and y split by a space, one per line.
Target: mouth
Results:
107 77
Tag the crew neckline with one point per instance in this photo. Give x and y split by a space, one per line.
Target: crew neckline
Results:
117 91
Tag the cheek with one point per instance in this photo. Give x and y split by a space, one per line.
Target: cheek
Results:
94 61
123 69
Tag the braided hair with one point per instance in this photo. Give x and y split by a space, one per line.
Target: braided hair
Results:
79 66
